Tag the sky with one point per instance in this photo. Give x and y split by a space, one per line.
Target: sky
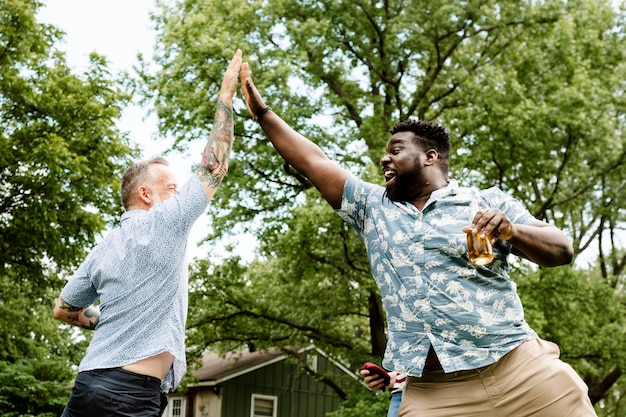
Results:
119 30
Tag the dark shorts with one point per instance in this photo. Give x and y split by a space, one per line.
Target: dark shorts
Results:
115 392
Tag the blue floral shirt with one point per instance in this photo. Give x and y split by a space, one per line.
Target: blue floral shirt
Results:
432 294
139 273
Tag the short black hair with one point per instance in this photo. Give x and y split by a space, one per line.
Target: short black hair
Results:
428 135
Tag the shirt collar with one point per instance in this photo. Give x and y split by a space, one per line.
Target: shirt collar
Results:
129 214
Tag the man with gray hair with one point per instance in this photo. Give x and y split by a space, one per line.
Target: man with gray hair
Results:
139 274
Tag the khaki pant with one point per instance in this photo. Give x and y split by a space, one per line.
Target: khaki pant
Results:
530 380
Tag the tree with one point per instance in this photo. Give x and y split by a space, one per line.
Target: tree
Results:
532 94
59 168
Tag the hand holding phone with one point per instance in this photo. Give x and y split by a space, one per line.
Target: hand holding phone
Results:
378 371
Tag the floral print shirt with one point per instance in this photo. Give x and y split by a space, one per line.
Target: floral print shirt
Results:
432 294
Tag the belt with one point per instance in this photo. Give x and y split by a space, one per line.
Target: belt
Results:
438 375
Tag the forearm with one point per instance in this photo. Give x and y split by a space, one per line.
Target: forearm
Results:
216 155
87 317
297 150
546 245
301 153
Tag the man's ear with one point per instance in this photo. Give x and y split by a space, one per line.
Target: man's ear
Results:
432 156
144 194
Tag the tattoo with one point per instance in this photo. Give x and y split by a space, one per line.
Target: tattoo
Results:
70 308
91 326
90 314
216 154
93 316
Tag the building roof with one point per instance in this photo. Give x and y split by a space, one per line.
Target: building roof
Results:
216 368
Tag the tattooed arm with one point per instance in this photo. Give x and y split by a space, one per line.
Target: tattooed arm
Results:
87 318
216 154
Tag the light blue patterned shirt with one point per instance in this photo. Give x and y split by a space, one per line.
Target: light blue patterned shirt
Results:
432 294
139 273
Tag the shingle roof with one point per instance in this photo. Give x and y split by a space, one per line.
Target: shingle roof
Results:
219 368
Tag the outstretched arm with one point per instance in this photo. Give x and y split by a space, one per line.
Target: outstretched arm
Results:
216 155
87 318
305 156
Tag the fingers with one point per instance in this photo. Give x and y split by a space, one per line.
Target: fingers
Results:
235 62
493 223
245 72
373 381
254 102
246 80
238 55
244 75
229 82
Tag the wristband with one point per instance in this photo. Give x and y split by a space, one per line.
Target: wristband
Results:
261 112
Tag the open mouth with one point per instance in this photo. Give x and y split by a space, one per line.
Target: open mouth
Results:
389 175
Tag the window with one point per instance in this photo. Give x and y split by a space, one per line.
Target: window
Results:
311 360
175 407
263 406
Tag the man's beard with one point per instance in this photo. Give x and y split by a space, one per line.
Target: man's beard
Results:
406 187
402 188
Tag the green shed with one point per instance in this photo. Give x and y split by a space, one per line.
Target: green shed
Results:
261 384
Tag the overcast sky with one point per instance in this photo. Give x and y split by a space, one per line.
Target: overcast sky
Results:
118 30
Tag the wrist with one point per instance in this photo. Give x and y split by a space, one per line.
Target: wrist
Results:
226 100
259 114
507 234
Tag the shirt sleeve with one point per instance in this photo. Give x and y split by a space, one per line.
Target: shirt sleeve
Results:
355 202
353 208
514 209
79 291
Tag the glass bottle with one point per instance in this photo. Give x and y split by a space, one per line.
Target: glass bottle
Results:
479 249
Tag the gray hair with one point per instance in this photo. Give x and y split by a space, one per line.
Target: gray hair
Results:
135 175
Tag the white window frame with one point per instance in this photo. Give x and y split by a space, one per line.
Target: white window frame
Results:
312 361
169 411
271 398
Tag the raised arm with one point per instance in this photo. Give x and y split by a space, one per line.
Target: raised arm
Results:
87 318
216 155
305 156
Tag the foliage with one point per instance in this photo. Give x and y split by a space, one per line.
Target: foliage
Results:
363 404
287 300
34 387
553 109
59 168
501 75
531 92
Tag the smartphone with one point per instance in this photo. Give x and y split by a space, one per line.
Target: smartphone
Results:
377 370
